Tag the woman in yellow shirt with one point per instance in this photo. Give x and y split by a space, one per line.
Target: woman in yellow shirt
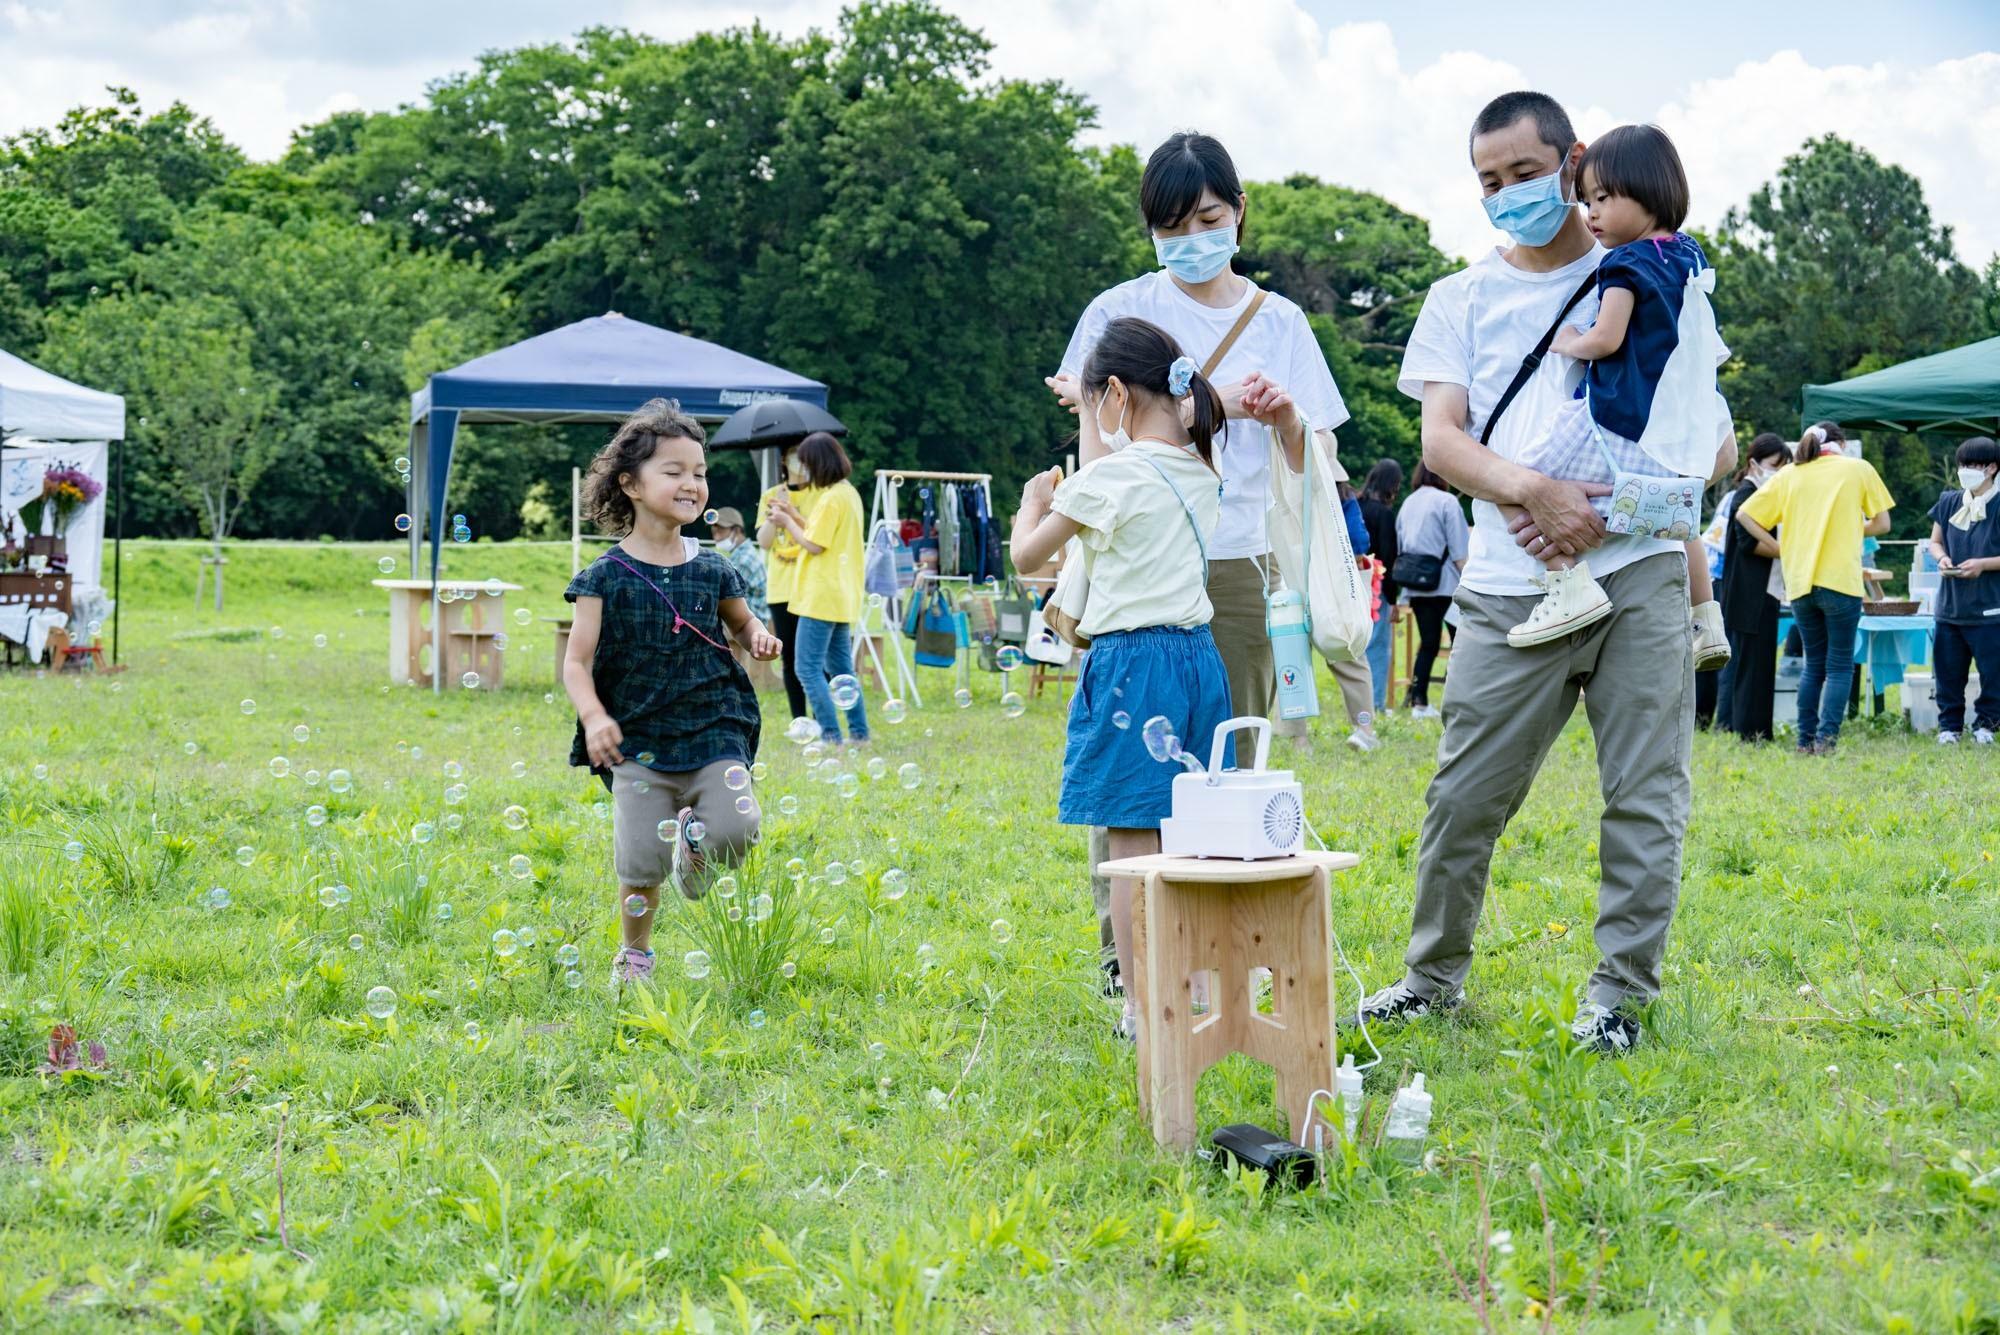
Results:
1822 506
826 598
782 566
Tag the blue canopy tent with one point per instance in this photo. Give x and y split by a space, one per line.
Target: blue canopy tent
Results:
596 370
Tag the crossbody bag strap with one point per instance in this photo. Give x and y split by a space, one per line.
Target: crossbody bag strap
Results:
1188 510
1534 359
1235 332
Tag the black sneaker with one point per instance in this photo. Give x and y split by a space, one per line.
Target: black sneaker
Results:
1397 1002
1114 982
1605 1030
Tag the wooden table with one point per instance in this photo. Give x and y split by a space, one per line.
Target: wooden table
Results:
1229 918
475 614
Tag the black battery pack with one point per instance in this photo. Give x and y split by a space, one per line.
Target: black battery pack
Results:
1254 1147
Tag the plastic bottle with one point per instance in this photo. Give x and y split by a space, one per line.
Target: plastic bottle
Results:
1286 622
1410 1121
1347 1083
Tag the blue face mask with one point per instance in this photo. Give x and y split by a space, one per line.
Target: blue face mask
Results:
1198 257
1531 212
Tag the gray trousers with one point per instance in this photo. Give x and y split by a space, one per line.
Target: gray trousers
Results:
1502 710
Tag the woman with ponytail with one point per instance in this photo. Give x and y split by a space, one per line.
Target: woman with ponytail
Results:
1144 507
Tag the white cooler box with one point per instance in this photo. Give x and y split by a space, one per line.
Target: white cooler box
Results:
1920 700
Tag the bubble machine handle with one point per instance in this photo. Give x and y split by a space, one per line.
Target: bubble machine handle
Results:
1262 727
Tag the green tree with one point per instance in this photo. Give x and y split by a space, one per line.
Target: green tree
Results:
1833 270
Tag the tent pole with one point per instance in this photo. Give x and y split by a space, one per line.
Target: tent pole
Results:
118 545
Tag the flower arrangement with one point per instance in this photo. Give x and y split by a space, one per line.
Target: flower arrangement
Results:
66 489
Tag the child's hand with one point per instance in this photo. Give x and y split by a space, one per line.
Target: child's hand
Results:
763 645
1564 344
1267 402
600 742
1063 385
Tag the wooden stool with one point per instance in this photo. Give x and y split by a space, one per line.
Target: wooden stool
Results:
1230 918
1040 674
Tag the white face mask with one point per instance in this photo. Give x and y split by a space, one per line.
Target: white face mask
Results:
1972 479
1120 438
1760 475
726 544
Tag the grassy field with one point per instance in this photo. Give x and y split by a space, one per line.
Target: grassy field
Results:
927 1124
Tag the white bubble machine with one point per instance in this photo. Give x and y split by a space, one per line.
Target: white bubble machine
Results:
1236 813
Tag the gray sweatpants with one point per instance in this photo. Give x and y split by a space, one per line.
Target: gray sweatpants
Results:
1503 707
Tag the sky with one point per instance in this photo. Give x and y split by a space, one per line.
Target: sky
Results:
1372 95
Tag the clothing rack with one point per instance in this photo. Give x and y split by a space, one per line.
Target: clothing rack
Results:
883 512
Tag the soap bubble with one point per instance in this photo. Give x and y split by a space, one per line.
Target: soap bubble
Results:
341 893
788 805
422 832
504 942
645 758
515 818
812 753
568 954
453 769
636 906
519 769
41 771
329 896
908 774
926 957
736 778
311 777
526 936
280 767
248 706
315 816
695 831
895 710
452 820
218 898
572 980
402 464
734 913
795 868
709 517
381 1002
836 873
1012 705
387 565
877 1051
1161 744
277 632
696 964
472 1031
847 785
962 698
355 942
826 936
894 884
845 690
744 805
520 866
455 794
802 730
788 969
669 830
641 786
1007 657
756 1019
760 908
301 732
245 856
73 850
319 641
1003 931
522 616
402 523
495 586
725 887
891 844
856 865
470 681
759 771
444 912
339 780
1120 720
190 747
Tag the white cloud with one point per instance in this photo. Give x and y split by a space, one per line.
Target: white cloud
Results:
1283 91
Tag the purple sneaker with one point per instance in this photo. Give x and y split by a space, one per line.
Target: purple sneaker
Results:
631 966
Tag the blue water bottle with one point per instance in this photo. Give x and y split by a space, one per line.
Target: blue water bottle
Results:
1285 622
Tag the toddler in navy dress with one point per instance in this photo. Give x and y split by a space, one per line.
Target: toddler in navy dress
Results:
1656 462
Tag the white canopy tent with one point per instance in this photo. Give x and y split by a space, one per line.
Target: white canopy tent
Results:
45 420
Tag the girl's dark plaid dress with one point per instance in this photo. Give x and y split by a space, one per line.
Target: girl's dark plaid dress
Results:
681 702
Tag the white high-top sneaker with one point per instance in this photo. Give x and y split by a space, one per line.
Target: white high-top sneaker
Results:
1574 600
1711 642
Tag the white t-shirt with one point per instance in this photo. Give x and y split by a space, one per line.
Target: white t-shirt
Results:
1139 548
1278 342
1474 330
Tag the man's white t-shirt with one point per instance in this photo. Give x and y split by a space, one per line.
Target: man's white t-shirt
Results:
1476 327
1277 342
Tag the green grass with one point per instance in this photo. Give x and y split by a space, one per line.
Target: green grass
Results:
914 1138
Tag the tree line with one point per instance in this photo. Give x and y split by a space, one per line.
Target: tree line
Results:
866 206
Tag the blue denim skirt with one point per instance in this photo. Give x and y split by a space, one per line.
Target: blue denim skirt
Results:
1128 677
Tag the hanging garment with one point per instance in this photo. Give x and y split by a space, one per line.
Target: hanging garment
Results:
948 521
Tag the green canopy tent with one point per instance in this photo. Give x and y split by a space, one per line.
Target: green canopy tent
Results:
1956 392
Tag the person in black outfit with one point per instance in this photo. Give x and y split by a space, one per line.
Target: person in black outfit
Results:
1749 611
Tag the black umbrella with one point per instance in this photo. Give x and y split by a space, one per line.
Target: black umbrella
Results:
771 422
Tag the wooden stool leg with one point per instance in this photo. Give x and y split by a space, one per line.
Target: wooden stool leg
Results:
1162 958
1303 1061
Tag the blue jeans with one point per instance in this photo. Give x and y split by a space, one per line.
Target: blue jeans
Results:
826 651
1378 655
1827 621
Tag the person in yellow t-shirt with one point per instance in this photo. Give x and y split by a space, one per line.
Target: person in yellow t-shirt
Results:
782 566
1822 506
826 596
